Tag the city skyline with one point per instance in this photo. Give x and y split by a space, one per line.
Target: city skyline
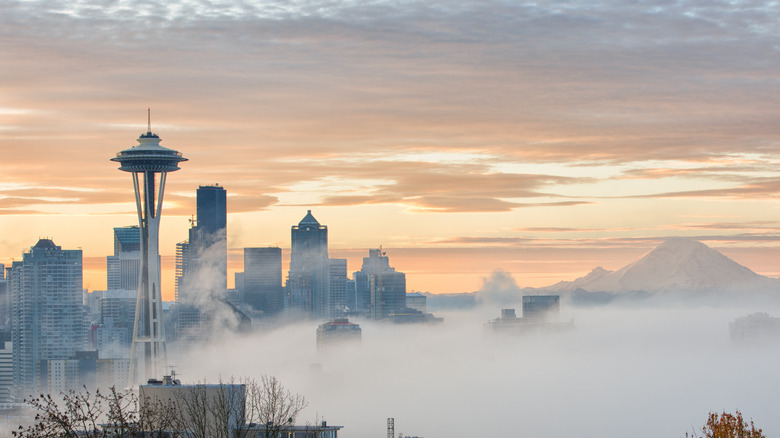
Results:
543 140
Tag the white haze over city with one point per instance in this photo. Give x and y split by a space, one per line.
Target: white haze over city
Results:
625 370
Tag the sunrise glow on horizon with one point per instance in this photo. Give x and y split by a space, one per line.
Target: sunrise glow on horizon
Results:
540 139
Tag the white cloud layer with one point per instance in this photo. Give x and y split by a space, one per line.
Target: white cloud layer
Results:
621 372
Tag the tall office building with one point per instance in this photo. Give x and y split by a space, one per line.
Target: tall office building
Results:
5 302
46 316
211 210
337 288
373 264
307 282
146 161
184 276
122 268
380 289
201 261
262 280
112 333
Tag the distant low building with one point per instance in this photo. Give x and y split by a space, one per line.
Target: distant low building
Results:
413 316
338 332
309 431
540 314
417 301
755 328
541 308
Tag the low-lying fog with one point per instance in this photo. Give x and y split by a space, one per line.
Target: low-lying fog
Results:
622 371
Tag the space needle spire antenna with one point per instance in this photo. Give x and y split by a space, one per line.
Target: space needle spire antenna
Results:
146 162
149 120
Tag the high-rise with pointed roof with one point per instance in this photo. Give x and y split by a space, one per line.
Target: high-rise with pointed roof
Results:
308 279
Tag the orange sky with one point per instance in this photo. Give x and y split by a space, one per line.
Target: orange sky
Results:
541 139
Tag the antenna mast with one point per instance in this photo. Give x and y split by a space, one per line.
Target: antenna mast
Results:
149 120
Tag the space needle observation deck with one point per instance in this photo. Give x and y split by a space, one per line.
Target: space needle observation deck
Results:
146 161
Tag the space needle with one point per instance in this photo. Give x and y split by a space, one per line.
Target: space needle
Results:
145 161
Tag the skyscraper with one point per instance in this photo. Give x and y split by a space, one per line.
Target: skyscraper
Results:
113 334
262 280
337 288
5 302
388 293
122 268
127 239
212 211
146 161
201 261
373 264
307 282
380 289
46 317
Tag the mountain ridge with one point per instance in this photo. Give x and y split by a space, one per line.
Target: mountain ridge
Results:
677 264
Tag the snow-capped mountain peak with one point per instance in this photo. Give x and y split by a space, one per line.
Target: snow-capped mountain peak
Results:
677 264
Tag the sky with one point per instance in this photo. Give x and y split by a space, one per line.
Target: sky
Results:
542 138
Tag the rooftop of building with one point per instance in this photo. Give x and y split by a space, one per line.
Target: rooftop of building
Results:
339 322
45 243
309 219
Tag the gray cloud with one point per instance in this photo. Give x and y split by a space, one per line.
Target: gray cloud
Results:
676 80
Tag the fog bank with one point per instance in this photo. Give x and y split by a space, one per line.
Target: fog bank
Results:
620 372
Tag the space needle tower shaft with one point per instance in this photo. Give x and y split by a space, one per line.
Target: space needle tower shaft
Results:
147 161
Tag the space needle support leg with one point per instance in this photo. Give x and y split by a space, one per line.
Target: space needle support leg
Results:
159 344
136 321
